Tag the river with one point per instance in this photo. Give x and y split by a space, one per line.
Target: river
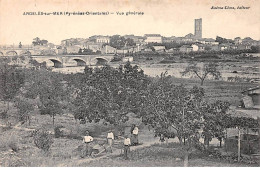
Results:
248 70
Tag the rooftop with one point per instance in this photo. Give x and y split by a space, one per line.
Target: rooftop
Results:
152 35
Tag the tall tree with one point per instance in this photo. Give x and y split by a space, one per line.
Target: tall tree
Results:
11 80
202 73
109 94
24 108
215 122
168 106
48 86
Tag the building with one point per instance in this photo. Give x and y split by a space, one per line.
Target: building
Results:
73 41
108 50
159 48
186 49
128 59
214 48
251 98
94 47
209 41
126 50
73 49
189 36
198 47
167 40
198 28
153 38
223 47
243 47
100 39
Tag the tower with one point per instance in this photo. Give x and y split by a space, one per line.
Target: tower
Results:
198 28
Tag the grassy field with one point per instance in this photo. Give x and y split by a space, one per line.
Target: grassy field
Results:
219 90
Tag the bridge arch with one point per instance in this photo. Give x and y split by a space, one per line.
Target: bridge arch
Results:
80 62
27 53
11 53
57 63
101 61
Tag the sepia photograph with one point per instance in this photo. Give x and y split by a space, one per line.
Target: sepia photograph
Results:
129 83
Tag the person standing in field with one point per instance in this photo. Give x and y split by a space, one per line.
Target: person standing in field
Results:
110 140
87 150
135 136
127 143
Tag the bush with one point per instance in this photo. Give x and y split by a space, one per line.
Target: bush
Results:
42 139
57 132
13 145
3 114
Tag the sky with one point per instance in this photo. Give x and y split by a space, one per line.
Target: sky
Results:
165 17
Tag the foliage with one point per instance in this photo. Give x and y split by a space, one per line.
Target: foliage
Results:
13 145
11 79
255 49
38 41
166 105
3 114
234 121
215 120
118 41
223 40
24 108
108 93
202 73
38 65
49 87
42 139
57 132
20 45
48 52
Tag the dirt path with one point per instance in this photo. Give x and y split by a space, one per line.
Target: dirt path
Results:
21 128
77 161
116 152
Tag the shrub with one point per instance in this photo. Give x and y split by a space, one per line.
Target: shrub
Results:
3 114
57 132
13 145
42 139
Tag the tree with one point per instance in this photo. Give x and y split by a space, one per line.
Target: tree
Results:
215 121
108 93
118 41
11 80
20 45
80 51
223 40
24 108
42 139
202 73
36 41
43 42
38 65
168 106
48 87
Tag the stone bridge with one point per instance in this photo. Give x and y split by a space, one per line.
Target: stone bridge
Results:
16 51
59 61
